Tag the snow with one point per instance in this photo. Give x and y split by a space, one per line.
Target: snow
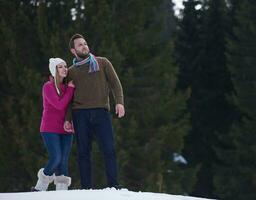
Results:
178 158
105 194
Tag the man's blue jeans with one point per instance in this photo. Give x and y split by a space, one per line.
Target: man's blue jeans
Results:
98 121
58 147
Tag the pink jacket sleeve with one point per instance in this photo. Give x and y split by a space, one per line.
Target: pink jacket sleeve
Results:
60 103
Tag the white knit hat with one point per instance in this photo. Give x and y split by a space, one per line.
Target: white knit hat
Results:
53 62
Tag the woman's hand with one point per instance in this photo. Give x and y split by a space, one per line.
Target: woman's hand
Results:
71 84
68 127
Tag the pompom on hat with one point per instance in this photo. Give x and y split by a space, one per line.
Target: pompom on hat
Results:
53 62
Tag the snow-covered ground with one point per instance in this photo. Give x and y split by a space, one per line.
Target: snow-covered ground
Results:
106 194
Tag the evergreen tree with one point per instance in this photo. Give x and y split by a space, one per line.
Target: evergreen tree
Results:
187 44
201 54
20 106
135 40
187 57
136 37
156 120
235 173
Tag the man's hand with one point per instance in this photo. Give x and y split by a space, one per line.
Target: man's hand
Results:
68 127
120 111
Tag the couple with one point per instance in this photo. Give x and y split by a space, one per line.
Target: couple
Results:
86 86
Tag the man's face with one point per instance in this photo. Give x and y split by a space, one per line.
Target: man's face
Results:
81 48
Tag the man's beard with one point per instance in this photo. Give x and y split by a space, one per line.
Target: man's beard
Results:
82 55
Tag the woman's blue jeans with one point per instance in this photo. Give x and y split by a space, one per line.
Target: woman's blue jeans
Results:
58 147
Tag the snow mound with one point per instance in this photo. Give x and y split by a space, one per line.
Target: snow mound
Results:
105 194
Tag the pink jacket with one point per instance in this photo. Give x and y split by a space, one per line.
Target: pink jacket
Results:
55 108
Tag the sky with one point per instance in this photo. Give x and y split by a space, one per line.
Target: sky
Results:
178 6
105 194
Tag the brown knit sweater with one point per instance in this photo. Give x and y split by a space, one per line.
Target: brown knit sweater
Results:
92 89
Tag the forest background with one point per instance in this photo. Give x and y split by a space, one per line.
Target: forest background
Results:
188 80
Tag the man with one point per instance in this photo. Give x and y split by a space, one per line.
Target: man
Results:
93 78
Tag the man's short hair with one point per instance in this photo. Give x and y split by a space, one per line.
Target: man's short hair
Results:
71 41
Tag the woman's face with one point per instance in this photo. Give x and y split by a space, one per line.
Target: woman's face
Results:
62 70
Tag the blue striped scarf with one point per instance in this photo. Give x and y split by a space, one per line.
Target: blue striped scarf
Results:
93 64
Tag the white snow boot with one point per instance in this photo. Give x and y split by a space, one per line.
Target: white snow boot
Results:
43 181
62 182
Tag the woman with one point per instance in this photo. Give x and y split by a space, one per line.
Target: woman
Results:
56 97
